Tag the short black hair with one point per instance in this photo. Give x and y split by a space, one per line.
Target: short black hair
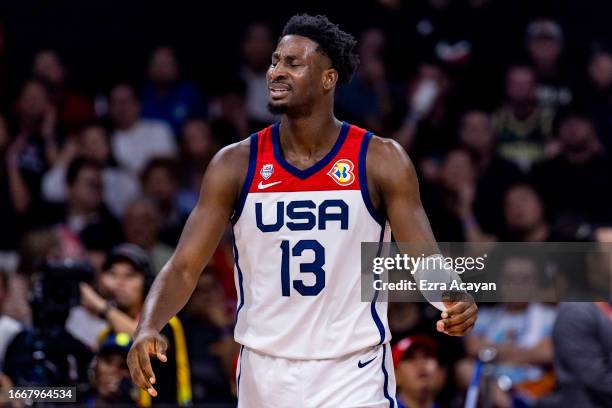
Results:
338 45
78 164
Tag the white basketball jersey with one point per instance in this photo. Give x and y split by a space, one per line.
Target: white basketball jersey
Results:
297 246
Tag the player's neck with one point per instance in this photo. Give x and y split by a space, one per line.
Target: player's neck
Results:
308 135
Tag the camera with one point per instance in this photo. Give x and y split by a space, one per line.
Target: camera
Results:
46 354
55 290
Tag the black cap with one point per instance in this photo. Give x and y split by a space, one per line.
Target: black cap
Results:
132 254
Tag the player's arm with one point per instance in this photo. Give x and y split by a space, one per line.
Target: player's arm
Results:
176 281
393 186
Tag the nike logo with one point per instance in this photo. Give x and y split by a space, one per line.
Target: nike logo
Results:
263 186
361 365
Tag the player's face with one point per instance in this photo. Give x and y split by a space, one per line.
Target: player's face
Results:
298 75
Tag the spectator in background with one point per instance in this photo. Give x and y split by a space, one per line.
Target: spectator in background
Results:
257 47
367 99
429 127
596 95
121 289
45 353
160 182
141 226
34 149
109 374
126 280
92 143
439 30
582 338
494 173
522 125
579 168
450 201
229 118
14 190
135 140
419 319
545 48
84 212
34 246
198 146
164 96
73 109
524 215
519 332
9 327
418 372
208 320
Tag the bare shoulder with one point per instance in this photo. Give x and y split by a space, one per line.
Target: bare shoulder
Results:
388 164
233 154
227 171
233 159
384 146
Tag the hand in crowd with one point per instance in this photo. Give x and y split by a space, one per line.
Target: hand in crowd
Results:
69 151
91 300
423 97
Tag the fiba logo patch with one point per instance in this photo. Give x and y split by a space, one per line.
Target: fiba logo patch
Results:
342 172
266 171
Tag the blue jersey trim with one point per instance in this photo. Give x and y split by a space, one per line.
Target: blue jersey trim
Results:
386 375
375 317
363 180
239 372
240 278
302 174
249 179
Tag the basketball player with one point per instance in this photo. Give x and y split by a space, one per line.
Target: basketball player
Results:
301 195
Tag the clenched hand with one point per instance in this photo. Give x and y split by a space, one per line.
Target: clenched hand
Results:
459 317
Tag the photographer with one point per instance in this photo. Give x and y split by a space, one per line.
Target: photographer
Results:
125 280
47 354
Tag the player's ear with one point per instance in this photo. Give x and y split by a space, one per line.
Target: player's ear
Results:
330 79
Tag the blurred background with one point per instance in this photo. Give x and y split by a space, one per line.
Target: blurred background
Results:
110 112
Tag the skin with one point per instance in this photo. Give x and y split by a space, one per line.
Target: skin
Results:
417 378
301 81
124 285
109 370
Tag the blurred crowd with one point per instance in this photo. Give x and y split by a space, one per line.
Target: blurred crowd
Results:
95 189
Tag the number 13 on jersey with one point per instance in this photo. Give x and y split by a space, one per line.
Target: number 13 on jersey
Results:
315 267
